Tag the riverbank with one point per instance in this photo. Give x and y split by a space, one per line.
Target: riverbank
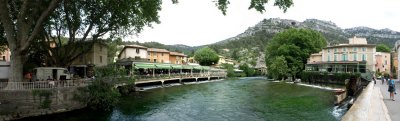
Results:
241 99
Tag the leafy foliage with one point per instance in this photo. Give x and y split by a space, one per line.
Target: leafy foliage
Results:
43 94
278 68
294 46
230 69
258 5
101 94
247 70
382 48
206 56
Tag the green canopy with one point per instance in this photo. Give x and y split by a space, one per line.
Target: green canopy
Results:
206 67
163 66
187 67
144 65
177 67
198 67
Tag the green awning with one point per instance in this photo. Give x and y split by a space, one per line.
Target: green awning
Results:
144 65
206 67
198 67
187 67
163 66
177 67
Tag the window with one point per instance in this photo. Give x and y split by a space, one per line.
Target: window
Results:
354 49
335 58
148 60
148 54
344 49
355 57
137 50
101 59
329 58
364 57
385 62
335 49
162 54
162 61
344 57
364 49
329 50
4 58
155 61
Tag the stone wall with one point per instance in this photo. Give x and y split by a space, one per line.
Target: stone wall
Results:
26 103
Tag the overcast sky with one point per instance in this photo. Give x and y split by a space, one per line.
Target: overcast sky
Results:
199 22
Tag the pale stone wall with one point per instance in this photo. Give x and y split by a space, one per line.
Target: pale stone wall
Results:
131 53
383 62
22 103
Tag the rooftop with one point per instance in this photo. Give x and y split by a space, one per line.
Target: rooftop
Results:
177 53
157 50
135 46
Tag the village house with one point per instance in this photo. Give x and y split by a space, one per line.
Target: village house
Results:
156 55
177 58
356 56
133 53
383 62
5 55
95 57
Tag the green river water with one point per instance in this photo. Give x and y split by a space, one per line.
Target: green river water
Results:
244 99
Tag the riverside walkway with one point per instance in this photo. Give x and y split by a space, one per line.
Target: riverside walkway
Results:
392 106
370 105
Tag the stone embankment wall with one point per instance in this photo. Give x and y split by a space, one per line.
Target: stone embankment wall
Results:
359 110
26 103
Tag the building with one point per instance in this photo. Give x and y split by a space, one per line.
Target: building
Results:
397 48
395 64
134 52
97 56
223 60
356 56
383 62
158 55
316 57
177 58
5 55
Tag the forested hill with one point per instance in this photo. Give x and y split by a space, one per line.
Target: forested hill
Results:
247 45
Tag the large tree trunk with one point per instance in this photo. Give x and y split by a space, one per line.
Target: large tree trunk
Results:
16 70
16 67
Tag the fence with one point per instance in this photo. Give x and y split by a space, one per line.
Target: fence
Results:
178 76
42 84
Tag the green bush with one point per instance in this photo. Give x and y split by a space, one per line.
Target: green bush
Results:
43 94
99 95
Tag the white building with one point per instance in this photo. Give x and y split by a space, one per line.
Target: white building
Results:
136 52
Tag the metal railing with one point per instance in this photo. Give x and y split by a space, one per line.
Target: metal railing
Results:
85 82
178 76
42 84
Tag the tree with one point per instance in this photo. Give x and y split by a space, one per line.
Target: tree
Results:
382 48
278 69
295 46
247 70
229 69
206 56
26 21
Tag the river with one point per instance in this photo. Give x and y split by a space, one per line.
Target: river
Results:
244 99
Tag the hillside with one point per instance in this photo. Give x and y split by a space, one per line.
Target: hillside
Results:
248 44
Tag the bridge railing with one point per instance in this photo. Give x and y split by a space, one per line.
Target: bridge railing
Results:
42 84
178 75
